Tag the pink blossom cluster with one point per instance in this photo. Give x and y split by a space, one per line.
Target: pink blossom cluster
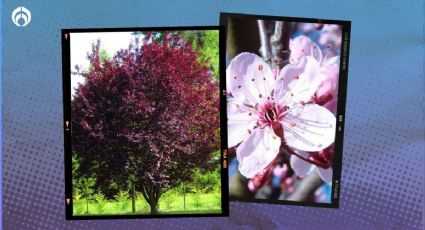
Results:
290 110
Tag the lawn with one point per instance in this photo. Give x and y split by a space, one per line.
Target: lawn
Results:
169 203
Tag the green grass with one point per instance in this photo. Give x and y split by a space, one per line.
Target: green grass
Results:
169 203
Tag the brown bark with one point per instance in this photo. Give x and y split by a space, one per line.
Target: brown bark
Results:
280 44
154 207
133 198
307 187
265 49
184 197
152 196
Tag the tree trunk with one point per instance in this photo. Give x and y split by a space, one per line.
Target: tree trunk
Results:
154 207
133 197
152 196
87 205
184 197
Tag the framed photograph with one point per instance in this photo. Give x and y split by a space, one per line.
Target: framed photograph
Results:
286 87
142 122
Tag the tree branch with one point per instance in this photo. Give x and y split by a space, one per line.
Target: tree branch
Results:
265 41
307 187
144 193
280 44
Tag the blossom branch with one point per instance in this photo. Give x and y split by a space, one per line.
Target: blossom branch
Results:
290 151
307 187
280 44
265 41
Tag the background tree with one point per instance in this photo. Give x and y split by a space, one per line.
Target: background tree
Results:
146 117
206 42
205 180
100 201
84 187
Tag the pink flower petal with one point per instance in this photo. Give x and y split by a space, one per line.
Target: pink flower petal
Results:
309 128
325 174
305 87
249 78
332 61
257 151
240 122
330 77
289 181
300 167
287 79
251 186
331 35
303 46
280 171
332 105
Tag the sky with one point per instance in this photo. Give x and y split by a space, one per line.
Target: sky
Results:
81 44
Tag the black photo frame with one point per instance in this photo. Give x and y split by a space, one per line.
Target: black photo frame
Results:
66 76
340 113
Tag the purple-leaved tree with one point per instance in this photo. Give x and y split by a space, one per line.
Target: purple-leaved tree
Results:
146 118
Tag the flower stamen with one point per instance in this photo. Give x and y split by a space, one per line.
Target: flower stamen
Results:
246 107
308 122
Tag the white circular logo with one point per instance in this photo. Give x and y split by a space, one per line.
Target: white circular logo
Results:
21 16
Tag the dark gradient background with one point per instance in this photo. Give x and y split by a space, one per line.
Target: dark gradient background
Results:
382 184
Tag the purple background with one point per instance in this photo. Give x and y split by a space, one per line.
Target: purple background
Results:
382 184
